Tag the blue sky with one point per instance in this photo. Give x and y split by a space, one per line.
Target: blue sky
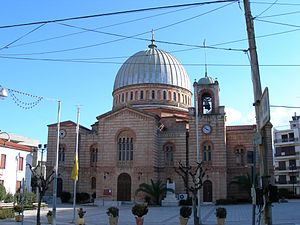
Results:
64 60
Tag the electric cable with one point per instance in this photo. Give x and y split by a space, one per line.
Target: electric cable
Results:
116 13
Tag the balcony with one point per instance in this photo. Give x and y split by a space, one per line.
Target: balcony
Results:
286 140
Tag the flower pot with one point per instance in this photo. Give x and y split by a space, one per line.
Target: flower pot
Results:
221 221
139 220
183 221
49 219
113 220
80 221
18 218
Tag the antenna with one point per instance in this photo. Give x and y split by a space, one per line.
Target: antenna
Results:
204 45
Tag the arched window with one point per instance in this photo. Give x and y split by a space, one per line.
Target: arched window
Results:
142 95
131 95
239 155
93 155
122 97
93 183
207 152
153 94
206 101
61 153
174 96
165 95
125 146
169 151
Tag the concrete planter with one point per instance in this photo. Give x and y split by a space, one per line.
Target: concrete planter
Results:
113 220
183 220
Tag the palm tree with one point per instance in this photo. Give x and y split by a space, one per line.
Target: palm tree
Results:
155 190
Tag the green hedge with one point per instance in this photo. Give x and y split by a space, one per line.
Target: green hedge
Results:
7 213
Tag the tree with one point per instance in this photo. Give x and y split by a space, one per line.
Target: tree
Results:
39 181
155 190
245 182
196 174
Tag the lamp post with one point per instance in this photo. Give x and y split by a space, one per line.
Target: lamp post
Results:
3 94
42 148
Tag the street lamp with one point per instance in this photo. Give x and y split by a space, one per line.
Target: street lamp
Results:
42 148
3 94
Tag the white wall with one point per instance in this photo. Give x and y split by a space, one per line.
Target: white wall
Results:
10 174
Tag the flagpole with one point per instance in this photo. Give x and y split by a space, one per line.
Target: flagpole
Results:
56 165
76 162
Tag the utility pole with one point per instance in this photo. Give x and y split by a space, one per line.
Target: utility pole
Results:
261 131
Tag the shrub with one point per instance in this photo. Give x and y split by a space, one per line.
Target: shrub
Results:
6 213
139 210
81 212
185 211
49 213
28 198
18 209
82 197
65 197
187 201
2 192
112 211
9 198
221 212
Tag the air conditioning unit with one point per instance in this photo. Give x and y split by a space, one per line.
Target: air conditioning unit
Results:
182 196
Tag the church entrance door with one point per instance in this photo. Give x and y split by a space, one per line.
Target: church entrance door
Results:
207 191
124 187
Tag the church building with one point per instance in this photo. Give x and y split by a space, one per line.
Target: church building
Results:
152 126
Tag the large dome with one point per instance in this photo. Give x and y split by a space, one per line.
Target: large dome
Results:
152 66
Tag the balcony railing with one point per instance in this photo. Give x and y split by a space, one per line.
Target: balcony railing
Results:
285 140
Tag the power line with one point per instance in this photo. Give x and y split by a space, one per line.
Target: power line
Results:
277 23
281 14
284 106
121 63
116 13
102 27
123 37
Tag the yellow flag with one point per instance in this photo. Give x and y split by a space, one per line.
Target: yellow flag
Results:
74 174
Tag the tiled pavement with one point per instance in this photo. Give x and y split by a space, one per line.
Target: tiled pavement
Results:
282 214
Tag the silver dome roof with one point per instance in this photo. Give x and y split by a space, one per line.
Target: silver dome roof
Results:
206 80
152 66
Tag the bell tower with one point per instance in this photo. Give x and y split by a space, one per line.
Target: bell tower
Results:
207 95
208 137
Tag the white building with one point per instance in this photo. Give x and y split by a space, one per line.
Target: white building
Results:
14 156
287 156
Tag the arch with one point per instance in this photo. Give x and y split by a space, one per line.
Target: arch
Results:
93 183
93 155
206 102
125 144
168 150
207 191
61 153
207 151
124 187
239 151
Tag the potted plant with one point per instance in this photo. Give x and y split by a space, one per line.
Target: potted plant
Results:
113 215
185 213
18 210
81 213
139 210
49 217
221 215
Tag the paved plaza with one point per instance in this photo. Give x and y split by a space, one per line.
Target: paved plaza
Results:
283 214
